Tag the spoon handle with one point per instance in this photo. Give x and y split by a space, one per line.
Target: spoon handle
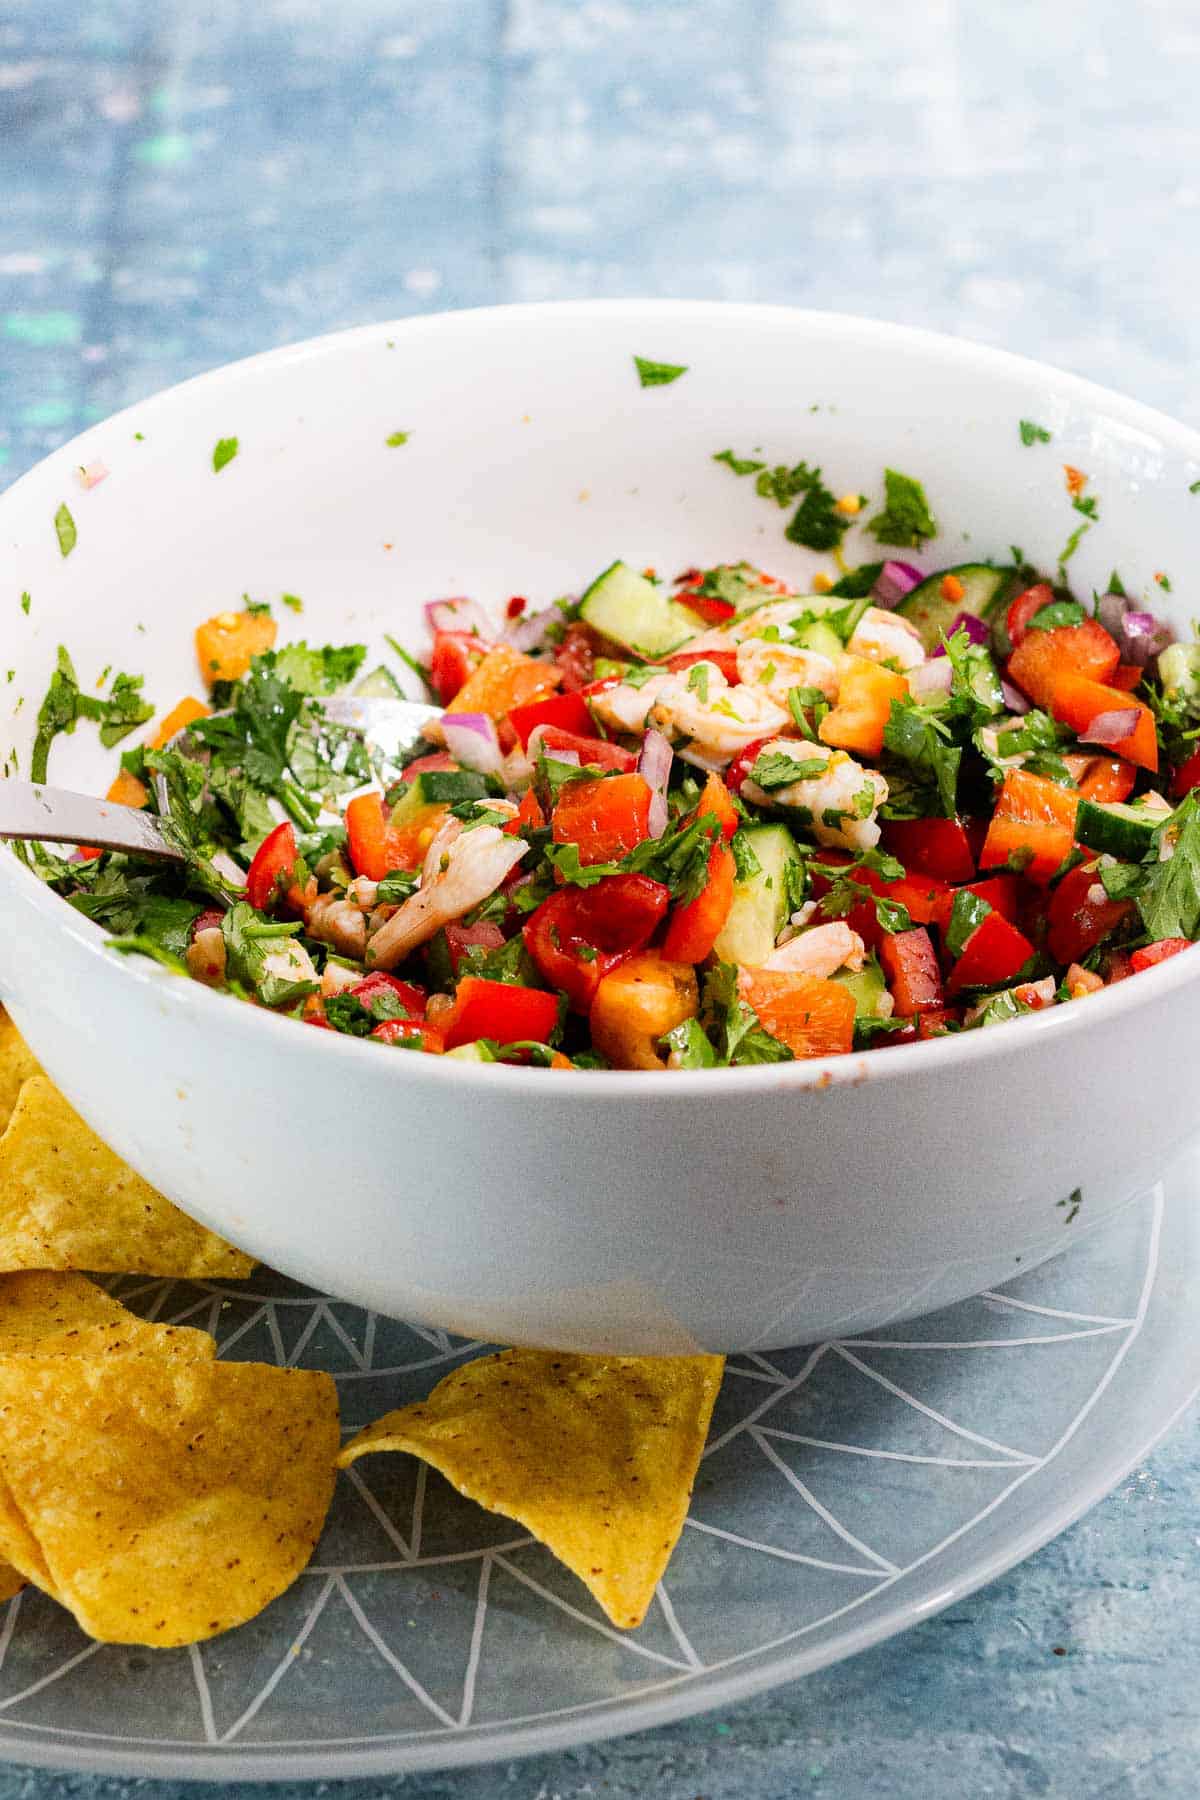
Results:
55 815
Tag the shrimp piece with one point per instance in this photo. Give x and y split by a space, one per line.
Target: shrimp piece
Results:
822 950
290 962
780 615
718 719
884 637
838 805
460 870
777 667
335 919
624 707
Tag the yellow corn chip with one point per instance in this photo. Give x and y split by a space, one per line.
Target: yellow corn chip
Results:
11 1582
169 1499
595 1455
68 1202
17 1064
47 1313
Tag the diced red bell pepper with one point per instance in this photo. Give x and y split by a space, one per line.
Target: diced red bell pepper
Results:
410 1031
606 817
1078 921
1077 700
461 938
1186 776
1023 608
1044 657
933 1023
910 966
579 935
695 926
1034 820
499 1010
711 609
410 996
271 870
992 955
1102 779
1149 954
596 751
456 655
567 712
376 847
922 896
715 799
725 660
1002 893
1127 677
530 816
576 655
934 846
742 764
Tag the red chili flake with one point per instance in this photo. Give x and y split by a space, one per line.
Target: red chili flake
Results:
516 606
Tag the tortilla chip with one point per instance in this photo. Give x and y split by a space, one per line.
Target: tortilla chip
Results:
46 1313
17 1064
168 1499
595 1455
68 1202
11 1582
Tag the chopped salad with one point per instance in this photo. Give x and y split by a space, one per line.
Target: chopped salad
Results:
687 824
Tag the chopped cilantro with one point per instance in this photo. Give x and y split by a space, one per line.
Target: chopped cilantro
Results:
293 602
776 769
859 583
749 465
967 913
318 671
734 1027
816 523
1088 505
26 602
745 859
698 681
658 374
224 451
1033 434
1194 488
65 704
396 886
688 1047
1169 900
975 691
358 1018
905 519
916 735
1072 544
64 526
1057 613
396 438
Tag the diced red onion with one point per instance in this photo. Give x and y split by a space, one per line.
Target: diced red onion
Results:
530 633
1110 610
1014 699
894 581
932 678
654 766
471 740
976 631
459 614
1140 635
1111 728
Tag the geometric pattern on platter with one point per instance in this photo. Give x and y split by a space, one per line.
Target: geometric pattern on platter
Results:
429 1630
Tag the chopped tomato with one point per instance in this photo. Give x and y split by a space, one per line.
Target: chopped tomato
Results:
1077 700
407 993
934 846
226 644
1034 821
1102 779
1002 893
181 715
812 1016
1043 657
910 966
376 846
530 816
437 759
1023 608
1079 919
411 1031
272 868
499 1010
456 655
1186 776
742 764
933 1023
715 799
567 712
596 751
725 660
992 955
1126 676
922 896
606 817
575 657
1150 954
503 680
864 704
695 926
461 938
579 935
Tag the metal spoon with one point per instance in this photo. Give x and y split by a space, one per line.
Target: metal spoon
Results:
30 809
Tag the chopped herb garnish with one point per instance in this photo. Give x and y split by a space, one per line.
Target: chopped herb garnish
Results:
658 374
1056 614
1033 434
698 681
905 519
749 465
26 602
776 769
64 526
733 1027
396 438
966 914
293 602
224 451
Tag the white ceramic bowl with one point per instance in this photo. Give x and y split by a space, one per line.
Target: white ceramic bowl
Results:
623 1212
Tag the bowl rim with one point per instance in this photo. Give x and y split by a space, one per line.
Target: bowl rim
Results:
191 999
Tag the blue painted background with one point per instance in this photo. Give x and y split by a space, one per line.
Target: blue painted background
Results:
187 181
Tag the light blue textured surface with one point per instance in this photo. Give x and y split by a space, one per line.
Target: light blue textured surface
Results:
186 183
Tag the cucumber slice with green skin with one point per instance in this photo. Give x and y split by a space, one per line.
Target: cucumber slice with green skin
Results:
760 903
986 592
438 787
868 988
380 684
821 638
1119 828
630 610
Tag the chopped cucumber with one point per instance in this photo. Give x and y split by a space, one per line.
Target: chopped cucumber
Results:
871 997
1179 671
760 903
438 787
380 684
1121 828
630 610
822 638
986 591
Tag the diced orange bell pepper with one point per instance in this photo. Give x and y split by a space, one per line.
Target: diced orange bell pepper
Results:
695 927
1034 820
1126 676
505 679
226 643
716 799
127 790
377 846
637 1004
812 1016
1043 657
178 719
606 817
865 694
1076 700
